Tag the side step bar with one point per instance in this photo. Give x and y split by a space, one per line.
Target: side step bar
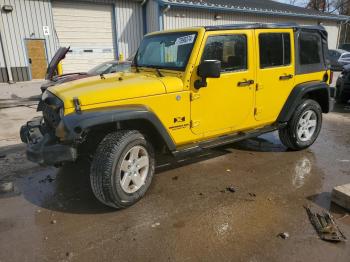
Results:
224 140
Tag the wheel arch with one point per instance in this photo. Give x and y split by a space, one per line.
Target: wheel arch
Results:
136 117
318 91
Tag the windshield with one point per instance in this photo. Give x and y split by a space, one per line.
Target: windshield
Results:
167 51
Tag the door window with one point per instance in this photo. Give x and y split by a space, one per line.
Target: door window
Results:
275 49
231 50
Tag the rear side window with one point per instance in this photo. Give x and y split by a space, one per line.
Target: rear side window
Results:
310 49
274 49
346 56
231 50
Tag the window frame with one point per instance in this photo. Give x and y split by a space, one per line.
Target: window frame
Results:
178 69
230 34
310 68
290 43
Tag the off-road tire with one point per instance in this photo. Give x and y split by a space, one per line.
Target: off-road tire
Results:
288 134
104 174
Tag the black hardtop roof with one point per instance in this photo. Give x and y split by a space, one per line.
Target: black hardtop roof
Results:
264 26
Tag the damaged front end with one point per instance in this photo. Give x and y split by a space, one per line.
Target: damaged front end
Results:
40 134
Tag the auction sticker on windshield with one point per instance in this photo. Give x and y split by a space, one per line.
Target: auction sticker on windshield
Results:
185 40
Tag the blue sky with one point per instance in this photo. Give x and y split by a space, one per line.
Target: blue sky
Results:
298 2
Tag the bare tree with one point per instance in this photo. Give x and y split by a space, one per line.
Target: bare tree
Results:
330 6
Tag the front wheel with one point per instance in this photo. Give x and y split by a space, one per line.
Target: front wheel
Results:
304 126
122 168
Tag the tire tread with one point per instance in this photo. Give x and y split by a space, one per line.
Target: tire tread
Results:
103 162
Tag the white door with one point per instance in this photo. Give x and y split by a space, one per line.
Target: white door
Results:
87 29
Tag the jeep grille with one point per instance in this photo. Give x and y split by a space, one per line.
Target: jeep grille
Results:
51 116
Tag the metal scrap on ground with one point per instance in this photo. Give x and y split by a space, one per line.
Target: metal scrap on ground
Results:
325 226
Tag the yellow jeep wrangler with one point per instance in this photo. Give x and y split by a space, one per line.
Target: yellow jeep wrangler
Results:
189 89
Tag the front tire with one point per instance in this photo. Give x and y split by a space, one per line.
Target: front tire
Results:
122 168
304 126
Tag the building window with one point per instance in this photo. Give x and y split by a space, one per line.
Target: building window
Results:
309 48
231 50
274 49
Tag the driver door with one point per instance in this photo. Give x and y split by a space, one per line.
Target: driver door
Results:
225 104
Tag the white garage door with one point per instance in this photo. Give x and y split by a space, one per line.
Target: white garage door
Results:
87 29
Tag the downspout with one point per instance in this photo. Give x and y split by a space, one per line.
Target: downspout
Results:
338 36
6 58
144 14
115 32
161 13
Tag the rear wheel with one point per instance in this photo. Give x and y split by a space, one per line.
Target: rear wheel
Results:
122 168
304 126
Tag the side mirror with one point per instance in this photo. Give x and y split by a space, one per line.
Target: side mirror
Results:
207 69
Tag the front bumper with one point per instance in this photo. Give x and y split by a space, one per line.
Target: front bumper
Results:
43 147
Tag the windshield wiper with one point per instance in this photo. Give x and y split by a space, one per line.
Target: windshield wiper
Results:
134 63
159 73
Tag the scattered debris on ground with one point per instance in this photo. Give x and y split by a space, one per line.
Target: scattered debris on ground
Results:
341 196
2 156
344 160
283 235
48 178
6 187
53 221
69 255
252 194
228 170
231 189
325 226
341 218
175 178
156 224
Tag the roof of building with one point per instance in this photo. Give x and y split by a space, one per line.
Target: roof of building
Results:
256 6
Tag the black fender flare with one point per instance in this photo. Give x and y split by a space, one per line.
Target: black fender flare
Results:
75 124
297 94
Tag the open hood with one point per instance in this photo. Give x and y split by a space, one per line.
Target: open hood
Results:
58 57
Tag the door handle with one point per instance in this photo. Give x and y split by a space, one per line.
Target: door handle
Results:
286 77
245 83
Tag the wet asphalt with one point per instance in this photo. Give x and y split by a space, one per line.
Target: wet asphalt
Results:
188 214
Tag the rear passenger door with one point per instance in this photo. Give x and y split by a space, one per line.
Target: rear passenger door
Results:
275 72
